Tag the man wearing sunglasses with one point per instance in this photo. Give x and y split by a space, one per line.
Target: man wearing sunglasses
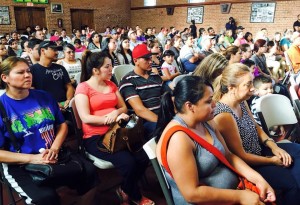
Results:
51 77
142 89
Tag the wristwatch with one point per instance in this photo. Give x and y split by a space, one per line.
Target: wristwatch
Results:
268 139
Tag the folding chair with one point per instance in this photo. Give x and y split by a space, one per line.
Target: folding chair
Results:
181 66
290 73
150 149
295 99
121 70
274 110
102 164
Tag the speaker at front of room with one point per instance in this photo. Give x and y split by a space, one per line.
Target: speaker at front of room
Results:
170 10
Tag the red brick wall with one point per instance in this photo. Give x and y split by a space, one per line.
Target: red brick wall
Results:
106 12
285 15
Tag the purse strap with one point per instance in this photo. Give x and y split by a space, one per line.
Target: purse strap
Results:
219 155
7 123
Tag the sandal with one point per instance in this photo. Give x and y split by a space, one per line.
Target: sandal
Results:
124 199
144 201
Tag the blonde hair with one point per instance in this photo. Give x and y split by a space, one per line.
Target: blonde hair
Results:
229 77
211 67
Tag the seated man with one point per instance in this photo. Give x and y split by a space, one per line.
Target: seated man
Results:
52 77
142 89
189 57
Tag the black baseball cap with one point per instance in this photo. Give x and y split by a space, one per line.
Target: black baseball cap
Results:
50 44
240 27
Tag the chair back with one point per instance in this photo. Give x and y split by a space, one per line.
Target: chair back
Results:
295 99
181 66
275 110
150 149
78 55
120 71
178 78
102 164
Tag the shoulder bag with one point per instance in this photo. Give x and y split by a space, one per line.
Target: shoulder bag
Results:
123 135
244 183
69 164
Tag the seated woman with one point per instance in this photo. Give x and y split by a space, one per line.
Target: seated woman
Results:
109 47
94 41
201 179
99 104
233 54
35 114
211 67
124 53
72 65
277 163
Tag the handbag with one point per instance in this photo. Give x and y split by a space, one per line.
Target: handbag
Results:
123 135
243 184
69 164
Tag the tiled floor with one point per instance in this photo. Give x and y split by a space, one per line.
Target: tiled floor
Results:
106 190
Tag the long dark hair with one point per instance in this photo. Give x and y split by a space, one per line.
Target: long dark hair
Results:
122 52
105 49
189 88
90 61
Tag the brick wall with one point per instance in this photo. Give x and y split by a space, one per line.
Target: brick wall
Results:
107 12
285 15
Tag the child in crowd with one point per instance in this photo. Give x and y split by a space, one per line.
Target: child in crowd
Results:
168 44
78 46
169 69
13 49
263 86
250 63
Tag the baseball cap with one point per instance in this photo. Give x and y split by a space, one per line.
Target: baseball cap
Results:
240 27
50 44
204 38
141 51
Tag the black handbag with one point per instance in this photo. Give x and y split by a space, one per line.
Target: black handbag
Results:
68 165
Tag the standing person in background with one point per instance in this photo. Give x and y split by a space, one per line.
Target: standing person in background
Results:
231 25
296 24
193 29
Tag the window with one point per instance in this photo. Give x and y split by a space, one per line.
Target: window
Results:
195 1
149 2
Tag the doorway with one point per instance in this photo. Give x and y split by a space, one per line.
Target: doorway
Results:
81 18
29 17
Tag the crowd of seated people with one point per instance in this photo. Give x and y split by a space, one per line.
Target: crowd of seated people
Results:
158 59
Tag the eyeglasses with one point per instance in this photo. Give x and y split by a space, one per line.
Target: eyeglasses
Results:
69 52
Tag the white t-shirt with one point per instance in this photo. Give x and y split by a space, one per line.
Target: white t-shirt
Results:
172 68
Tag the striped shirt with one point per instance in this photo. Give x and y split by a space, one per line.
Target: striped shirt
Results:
148 90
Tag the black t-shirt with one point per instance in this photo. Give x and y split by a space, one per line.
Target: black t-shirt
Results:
52 79
193 30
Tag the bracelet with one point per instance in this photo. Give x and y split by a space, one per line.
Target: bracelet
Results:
268 139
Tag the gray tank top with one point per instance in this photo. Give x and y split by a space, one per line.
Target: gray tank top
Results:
211 172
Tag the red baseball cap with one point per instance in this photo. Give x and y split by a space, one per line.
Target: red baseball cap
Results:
141 51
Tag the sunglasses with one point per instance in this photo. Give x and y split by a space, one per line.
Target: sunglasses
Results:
69 52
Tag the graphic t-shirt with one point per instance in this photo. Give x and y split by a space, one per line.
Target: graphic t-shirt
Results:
52 79
33 121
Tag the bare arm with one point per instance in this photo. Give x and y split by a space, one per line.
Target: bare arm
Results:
168 75
139 108
227 126
181 151
242 167
69 94
83 107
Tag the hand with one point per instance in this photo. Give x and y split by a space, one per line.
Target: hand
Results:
50 154
248 197
267 193
283 156
122 116
66 105
111 117
40 159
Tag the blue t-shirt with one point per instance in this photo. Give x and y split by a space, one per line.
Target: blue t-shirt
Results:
33 121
